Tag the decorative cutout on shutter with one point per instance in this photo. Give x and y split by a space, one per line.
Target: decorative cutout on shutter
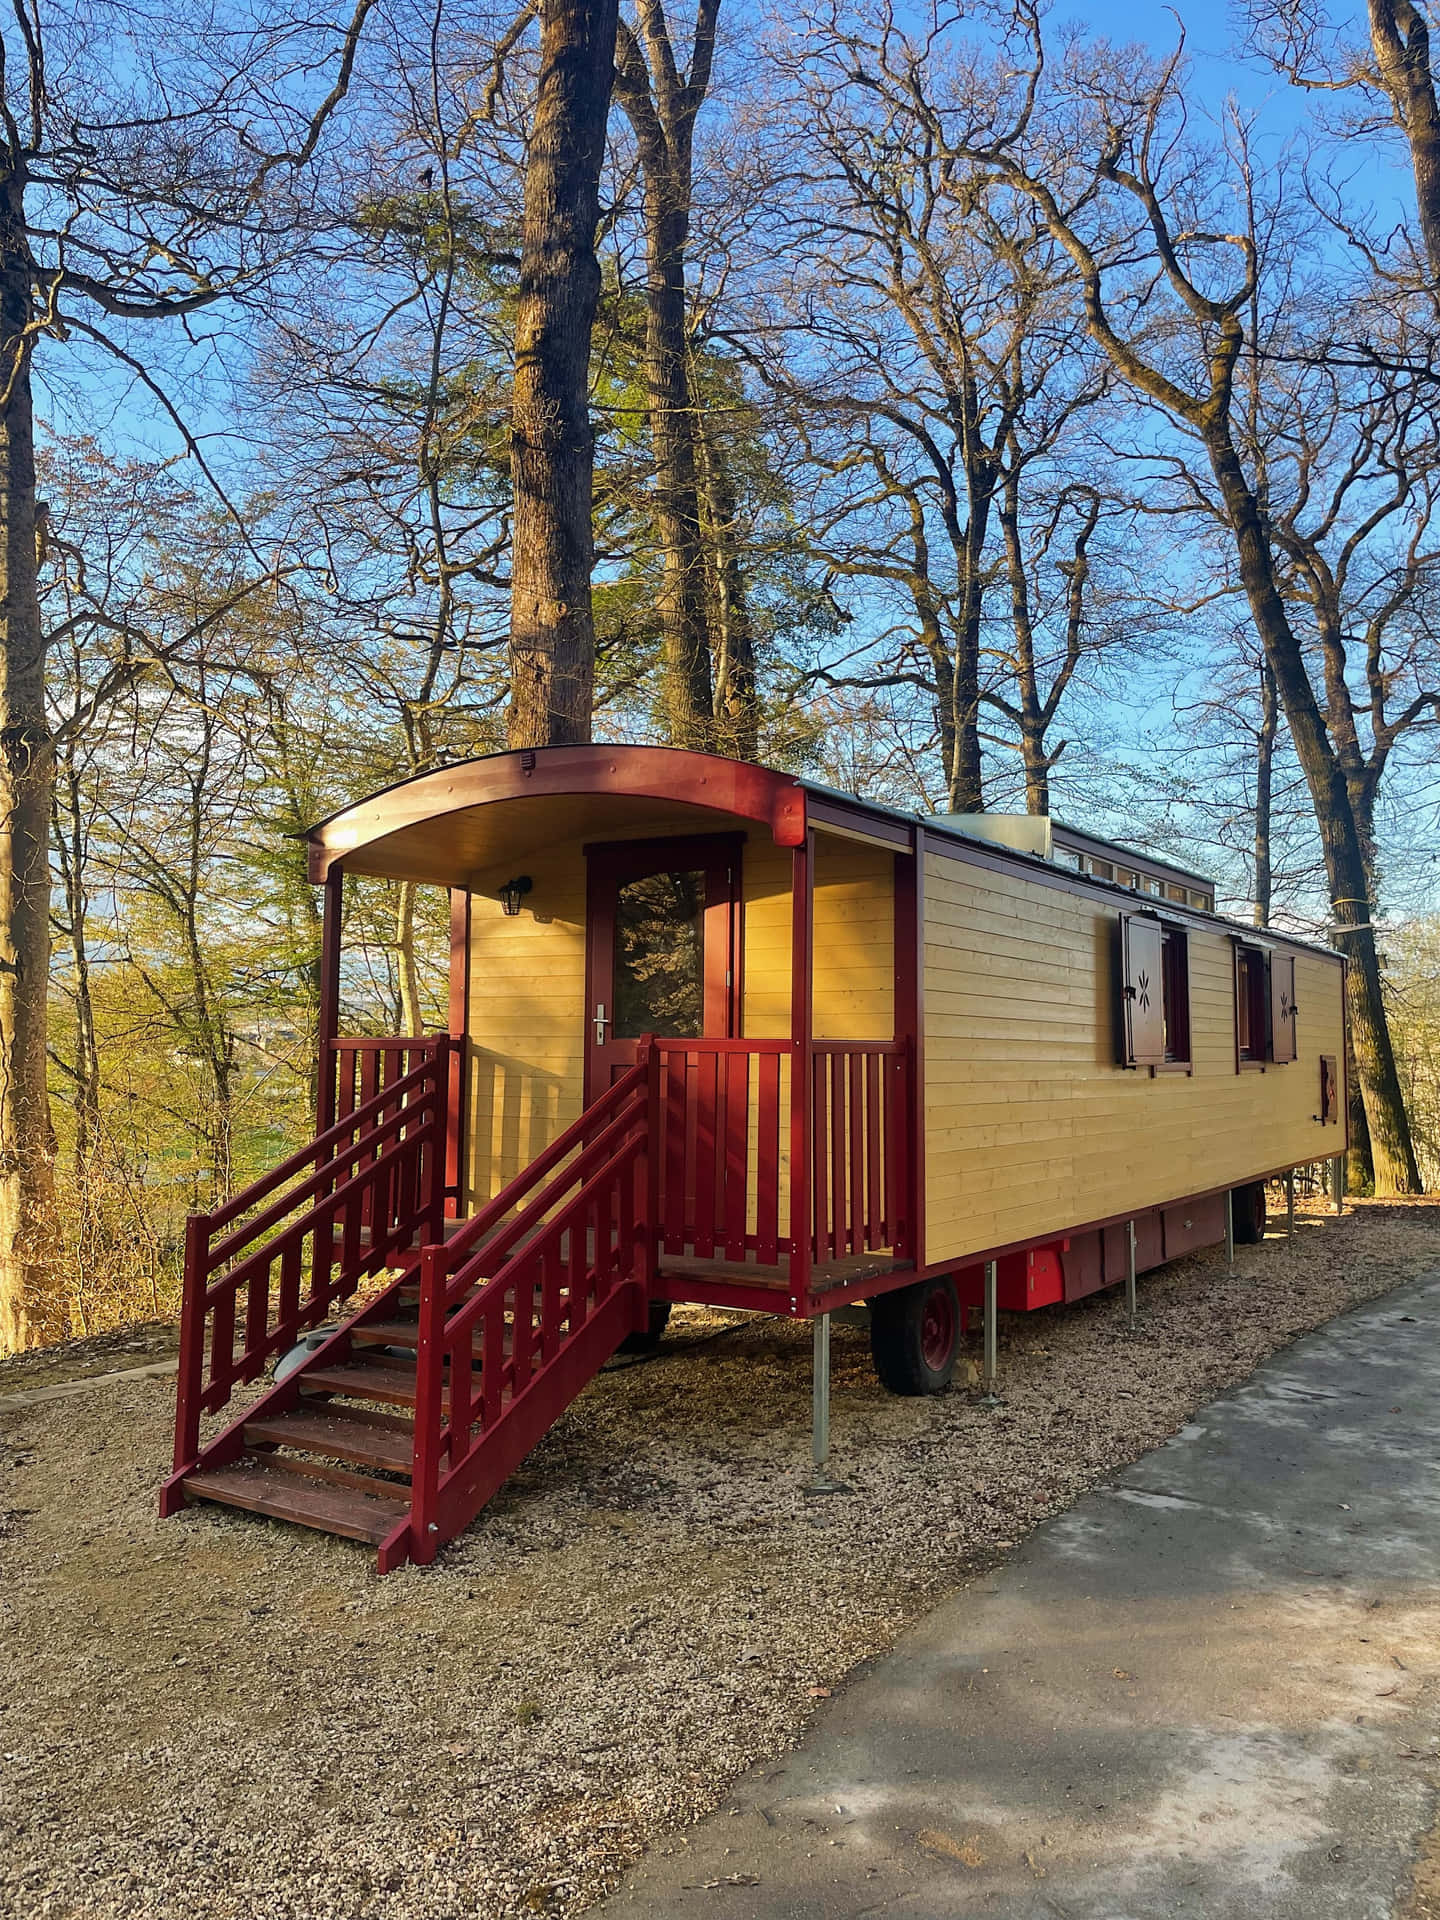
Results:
1141 992
1282 1007
1329 1089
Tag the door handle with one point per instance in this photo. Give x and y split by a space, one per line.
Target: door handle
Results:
600 1023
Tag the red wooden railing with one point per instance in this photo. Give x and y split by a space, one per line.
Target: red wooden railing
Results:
525 1304
722 1120
725 1114
859 1132
270 1264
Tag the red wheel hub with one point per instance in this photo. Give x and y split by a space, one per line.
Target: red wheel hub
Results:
937 1329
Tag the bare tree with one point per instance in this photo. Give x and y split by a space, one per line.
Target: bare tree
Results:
1040 685
935 361
129 193
1115 172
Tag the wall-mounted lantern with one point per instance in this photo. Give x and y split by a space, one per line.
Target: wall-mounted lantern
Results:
513 892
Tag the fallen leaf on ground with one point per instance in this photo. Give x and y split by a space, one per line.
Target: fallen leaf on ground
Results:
965 1851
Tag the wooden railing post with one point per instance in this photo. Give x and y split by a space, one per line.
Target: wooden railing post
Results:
429 1416
802 923
442 1115
190 1379
329 1010
649 1052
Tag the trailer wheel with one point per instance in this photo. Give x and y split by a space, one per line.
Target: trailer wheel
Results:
915 1336
650 1336
1248 1213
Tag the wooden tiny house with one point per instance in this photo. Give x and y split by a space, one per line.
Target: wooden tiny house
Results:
718 1034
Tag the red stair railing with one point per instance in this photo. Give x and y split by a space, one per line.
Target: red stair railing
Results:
525 1305
270 1264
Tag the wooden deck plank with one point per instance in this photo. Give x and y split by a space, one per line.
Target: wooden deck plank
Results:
338 1432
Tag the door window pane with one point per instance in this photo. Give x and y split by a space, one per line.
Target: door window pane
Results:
660 956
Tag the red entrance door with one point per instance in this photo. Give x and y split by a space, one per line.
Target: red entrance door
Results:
662 946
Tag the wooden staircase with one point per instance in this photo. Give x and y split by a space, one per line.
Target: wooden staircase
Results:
399 1427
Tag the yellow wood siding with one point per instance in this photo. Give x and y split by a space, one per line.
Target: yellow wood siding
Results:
1031 1127
854 971
526 1058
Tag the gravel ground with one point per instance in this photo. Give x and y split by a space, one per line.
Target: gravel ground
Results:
137 1346
225 1717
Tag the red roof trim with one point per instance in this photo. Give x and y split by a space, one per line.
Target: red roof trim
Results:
776 800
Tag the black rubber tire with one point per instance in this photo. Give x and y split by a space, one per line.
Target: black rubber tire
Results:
1248 1213
904 1349
649 1339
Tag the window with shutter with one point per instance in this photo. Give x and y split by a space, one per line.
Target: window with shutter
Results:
1142 991
1282 1007
1175 980
1252 1007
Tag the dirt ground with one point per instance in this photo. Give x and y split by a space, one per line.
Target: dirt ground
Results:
222 1716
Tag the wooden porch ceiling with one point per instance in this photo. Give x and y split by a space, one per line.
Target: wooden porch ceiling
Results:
480 847
459 825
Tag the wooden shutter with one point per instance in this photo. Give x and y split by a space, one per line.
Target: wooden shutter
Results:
1282 1007
1142 992
1329 1088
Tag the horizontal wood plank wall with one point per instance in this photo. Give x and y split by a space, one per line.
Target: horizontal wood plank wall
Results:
1031 1127
854 972
527 1020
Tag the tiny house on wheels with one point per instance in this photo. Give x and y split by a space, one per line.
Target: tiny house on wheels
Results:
719 1034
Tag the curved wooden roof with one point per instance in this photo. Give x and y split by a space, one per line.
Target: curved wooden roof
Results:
434 826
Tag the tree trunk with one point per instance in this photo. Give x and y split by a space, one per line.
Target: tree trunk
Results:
407 974
1391 1147
28 1312
1400 39
1264 785
737 699
70 848
967 794
552 629
1032 722
689 703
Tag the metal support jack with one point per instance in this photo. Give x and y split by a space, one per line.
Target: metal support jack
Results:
990 1364
1130 1302
821 1479
1290 1205
1230 1226
1337 1181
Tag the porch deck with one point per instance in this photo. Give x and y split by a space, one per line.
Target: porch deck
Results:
722 1283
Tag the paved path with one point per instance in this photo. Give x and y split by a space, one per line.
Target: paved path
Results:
1208 1689
65 1389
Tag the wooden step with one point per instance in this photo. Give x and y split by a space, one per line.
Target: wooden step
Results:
405 1333
267 1487
387 1333
340 1433
358 1380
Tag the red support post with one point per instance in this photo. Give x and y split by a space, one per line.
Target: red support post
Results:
459 1049
429 1387
329 1011
802 940
648 1052
439 1109
907 1224
190 1381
